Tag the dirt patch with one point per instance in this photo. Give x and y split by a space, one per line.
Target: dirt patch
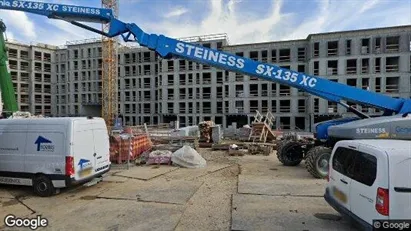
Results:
9 203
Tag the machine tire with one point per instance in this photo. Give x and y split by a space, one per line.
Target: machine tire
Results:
283 152
314 155
43 186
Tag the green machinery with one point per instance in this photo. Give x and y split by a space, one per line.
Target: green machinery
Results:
6 85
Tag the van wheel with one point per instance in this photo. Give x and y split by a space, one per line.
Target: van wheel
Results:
43 186
317 161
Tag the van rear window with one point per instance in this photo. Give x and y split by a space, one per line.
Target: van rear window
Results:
359 166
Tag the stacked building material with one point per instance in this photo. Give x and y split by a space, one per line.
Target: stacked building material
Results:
206 131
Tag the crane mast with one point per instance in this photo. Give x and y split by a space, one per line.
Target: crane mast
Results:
109 72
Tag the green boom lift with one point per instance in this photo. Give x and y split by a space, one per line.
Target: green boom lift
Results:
6 85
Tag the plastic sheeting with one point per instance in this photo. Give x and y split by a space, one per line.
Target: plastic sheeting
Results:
188 157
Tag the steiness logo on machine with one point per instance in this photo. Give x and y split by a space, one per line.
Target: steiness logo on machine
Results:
370 130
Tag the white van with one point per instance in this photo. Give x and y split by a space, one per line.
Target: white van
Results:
53 153
370 180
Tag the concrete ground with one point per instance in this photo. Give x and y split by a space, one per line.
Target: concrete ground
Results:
231 193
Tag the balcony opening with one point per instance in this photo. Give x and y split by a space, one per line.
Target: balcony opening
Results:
393 44
170 79
273 89
206 78
332 67
300 123
37 77
274 106
182 107
351 66
273 56
239 90
332 48
182 93
332 107
239 106
285 90
365 66
12 53
264 90
264 106
301 54
207 107
182 64
24 55
147 69
253 90
377 45
146 57
253 106
220 77
264 56
392 84
316 68
378 84
219 46
352 82
316 49
301 68
219 108
285 106
37 67
392 64
170 94
301 106
254 55
170 108
377 65
285 123
182 79
316 105
170 65
365 84
207 93
285 55
241 54
219 92
37 56
365 46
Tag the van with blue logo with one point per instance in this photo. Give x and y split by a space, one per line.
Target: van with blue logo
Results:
53 153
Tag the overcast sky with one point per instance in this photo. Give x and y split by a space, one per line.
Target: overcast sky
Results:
244 21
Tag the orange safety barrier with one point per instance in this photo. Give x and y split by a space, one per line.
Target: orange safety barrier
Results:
120 149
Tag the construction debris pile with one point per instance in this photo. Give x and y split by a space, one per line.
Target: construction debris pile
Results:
206 131
185 156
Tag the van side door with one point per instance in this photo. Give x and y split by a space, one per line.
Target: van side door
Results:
340 177
370 171
101 146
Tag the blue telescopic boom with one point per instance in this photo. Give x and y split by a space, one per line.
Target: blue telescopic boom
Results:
168 48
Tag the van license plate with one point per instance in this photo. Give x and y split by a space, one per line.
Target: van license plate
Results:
85 172
340 195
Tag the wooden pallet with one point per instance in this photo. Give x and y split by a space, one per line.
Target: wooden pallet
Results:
261 128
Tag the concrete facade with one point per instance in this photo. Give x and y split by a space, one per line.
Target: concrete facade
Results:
154 90
31 69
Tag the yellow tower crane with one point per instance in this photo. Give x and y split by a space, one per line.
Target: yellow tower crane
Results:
109 73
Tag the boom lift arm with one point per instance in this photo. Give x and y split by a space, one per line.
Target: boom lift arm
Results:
169 48
6 84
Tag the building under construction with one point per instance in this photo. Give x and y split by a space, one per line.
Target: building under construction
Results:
153 91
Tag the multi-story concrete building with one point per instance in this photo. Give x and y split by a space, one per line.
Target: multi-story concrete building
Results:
77 82
31 69
152 90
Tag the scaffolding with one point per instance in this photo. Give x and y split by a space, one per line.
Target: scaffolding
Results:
109 74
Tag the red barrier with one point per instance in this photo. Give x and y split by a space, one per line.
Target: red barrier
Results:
120 149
